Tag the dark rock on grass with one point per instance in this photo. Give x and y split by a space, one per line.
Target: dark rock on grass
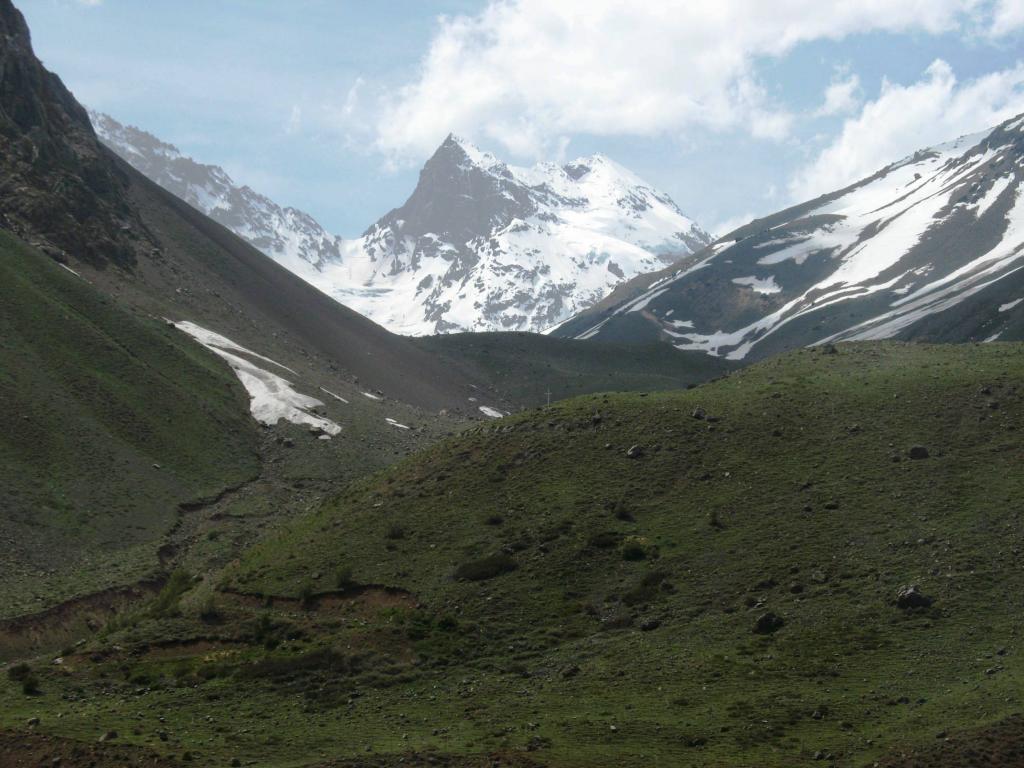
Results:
649 625
108 736
918 452
910 596
767 623
699 413
635 452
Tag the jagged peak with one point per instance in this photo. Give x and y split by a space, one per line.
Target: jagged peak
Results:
465 150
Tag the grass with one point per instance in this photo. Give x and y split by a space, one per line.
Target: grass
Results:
109 421
532 369
795 497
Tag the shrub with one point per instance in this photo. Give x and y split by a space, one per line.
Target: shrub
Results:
166 602
19 672
494 520
486 568
634 552
30 685
307 595
343 577
605 540
208 611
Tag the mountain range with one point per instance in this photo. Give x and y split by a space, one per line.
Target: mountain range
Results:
929 248
479 245
242 524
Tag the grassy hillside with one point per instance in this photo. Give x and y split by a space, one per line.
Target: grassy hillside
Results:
108 422
532 594
526 367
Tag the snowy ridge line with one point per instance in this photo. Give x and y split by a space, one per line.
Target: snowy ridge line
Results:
879 238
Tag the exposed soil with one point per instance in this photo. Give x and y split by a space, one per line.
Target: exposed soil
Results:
25 748
69 620
1000 746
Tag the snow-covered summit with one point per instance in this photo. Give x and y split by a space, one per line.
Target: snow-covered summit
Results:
479 245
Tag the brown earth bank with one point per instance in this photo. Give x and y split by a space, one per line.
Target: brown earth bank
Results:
71 620
26 748
997 746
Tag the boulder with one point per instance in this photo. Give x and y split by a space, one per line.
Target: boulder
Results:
911 596
767 623
918 452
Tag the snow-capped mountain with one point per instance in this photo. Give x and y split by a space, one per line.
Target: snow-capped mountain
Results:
478 246
928 248
287 235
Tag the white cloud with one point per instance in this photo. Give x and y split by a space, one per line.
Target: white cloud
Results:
1007 17
294 123
524 73
905 118
841 97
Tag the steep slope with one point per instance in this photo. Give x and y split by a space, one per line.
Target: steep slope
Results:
535 593
57 187
109 423
929 248
478 246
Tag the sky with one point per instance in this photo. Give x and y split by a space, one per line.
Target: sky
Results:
735 108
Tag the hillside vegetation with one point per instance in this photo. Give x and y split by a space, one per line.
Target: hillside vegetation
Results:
530 368
813 559
108 422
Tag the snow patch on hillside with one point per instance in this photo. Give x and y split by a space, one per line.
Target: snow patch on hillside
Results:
272 398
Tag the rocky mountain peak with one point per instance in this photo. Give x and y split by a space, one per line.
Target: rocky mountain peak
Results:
50 161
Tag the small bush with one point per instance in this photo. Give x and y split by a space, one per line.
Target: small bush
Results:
634 552
208 611
485 568
495 520
343 577
307 595
30 685
166 603
19 672
605 540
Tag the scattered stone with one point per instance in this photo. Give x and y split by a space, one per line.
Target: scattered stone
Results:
767 623
918 452
910 596
635 451
649 625
571 671
699 413
316 431
288 443
108 736
33 722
